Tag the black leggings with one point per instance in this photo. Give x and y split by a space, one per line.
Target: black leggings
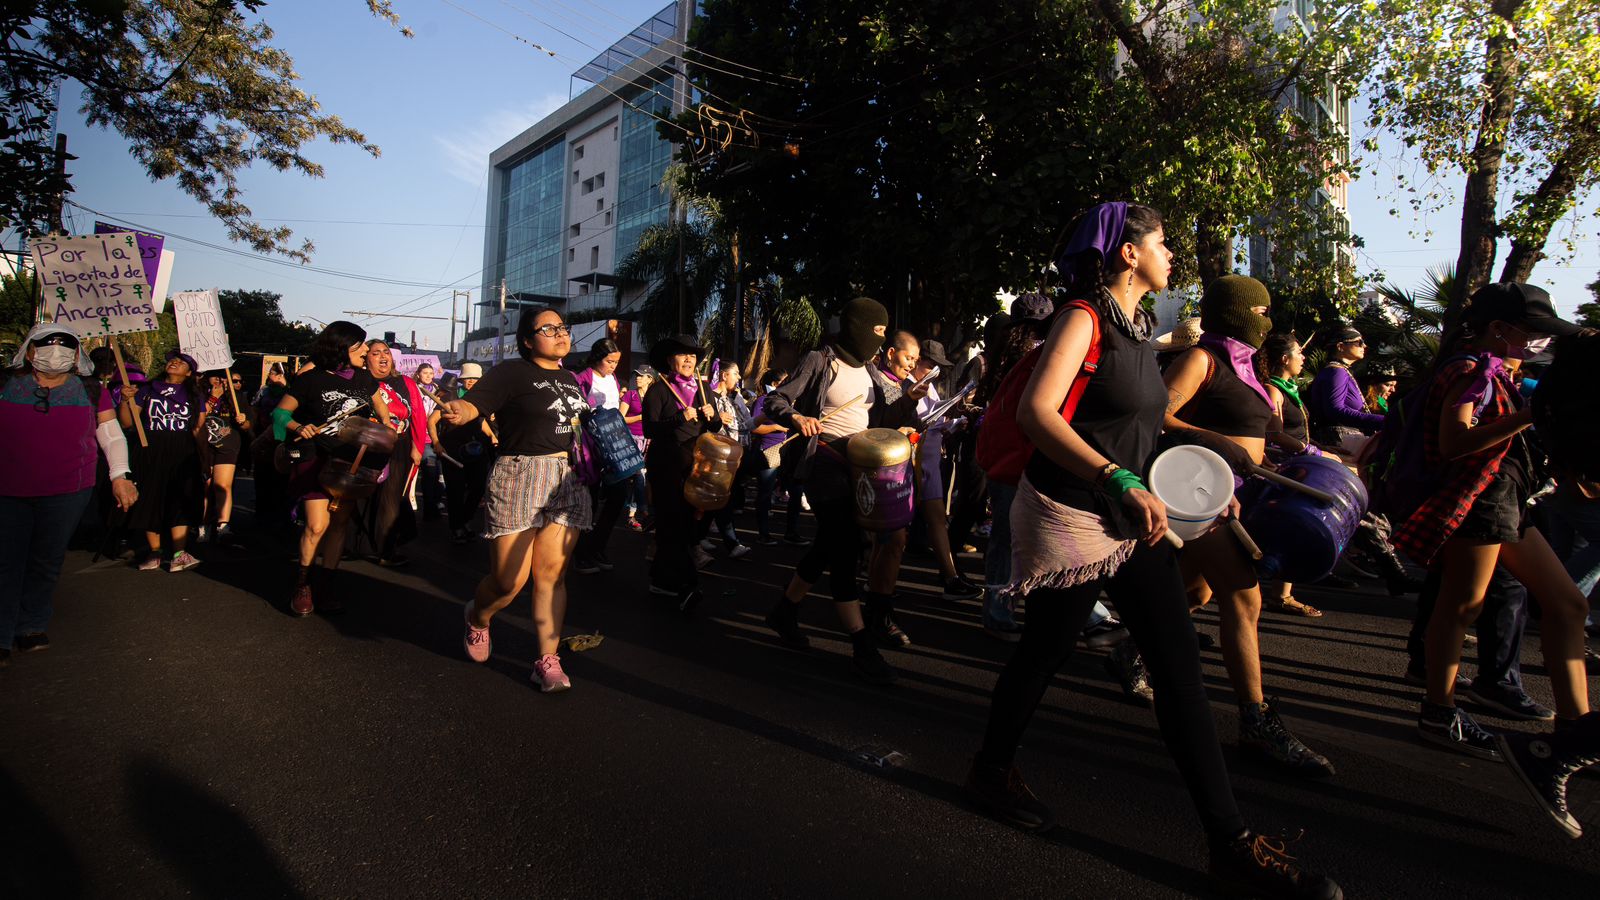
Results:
1148 592
836 549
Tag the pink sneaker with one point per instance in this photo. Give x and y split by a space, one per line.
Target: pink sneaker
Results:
476 640
548 676
182 561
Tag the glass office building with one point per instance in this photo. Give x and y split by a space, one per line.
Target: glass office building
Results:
644 157
531 209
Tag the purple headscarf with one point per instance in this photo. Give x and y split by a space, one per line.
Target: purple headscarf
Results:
1099 231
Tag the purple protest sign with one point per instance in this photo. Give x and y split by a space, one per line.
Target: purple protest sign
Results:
149 248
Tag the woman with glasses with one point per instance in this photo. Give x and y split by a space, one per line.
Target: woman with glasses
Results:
171 408
222 439
1334 399
536 504
54 416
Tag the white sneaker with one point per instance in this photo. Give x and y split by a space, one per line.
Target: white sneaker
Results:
738 551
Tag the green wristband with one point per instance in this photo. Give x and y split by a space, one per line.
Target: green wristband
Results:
1122 481
280 424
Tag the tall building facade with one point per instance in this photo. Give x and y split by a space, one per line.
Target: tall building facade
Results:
570 196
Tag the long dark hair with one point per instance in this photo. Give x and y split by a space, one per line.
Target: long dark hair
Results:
1084 275
601 349
331 349
1276 346
525 326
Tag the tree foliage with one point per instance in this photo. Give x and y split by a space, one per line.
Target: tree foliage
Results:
195 86
923 154
1505 93
256 324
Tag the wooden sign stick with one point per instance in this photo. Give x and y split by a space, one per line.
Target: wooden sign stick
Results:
122 369
227 375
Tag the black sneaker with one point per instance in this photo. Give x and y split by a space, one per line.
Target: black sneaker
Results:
1003 794
959 588
766 540
796 539
879 616
604 563
1449 727
1337 581
1126 665
394 561
1543 763
1510 702
458 536
1255 865
1104 633
688 599
29 643
586 567
785 620
870 664
1263 734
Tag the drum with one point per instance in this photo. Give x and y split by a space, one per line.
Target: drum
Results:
1301 538
374 442
710 482
881 479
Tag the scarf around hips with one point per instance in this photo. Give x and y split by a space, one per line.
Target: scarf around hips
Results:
1241 360
1061 546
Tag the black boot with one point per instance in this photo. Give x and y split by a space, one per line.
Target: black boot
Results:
1002 793
879 615
1378 552
870 664
329 586
1255 865
1544 763
785 620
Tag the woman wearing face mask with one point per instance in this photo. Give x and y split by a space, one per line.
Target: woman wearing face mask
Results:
337 384
600 387
394 522
221 442
677 411
1216 399
1473 424
173 499
1334 398
536 505
834 384
54 416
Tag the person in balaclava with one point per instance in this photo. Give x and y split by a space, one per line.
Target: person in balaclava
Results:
830 397
1215 399
54 413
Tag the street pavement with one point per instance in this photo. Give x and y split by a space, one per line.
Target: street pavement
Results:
185 736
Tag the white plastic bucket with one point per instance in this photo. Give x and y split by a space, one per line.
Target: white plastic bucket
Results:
1195 484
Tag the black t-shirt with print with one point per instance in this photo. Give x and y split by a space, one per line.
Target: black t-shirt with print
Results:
168 407
534 408
321 395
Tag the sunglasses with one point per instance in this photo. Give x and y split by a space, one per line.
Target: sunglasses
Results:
55 340
41 401
1358 342
551 331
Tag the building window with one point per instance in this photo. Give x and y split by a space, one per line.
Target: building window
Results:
574 176
577 152
531 215
572 254
608 217
588 185
599 204
576 229
583 290
594 257
600 180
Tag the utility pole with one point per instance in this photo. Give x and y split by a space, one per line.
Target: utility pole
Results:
453 296
500 341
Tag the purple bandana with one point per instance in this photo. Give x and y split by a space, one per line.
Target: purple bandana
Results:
1240 358
1098 232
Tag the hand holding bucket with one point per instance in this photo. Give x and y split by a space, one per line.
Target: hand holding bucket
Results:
1195 484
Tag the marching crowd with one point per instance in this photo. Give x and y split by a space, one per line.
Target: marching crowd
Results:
1049 434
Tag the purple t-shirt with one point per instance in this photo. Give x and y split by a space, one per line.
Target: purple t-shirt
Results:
58 446
771 439
635 408
168 407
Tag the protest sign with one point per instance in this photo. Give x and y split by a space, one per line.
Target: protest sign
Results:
164 280
406 363
149 250
94 284
201 332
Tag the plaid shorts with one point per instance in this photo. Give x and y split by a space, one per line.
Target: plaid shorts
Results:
527 492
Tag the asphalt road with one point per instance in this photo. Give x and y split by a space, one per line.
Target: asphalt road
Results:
184 736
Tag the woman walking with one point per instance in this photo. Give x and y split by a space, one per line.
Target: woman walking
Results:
1474 426
1083 522
632 408
55 416
394 522
173 498
598 381
222 442
468 452
676 412
736 419
337 385
536 505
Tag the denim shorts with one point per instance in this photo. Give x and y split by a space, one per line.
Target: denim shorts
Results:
1499 515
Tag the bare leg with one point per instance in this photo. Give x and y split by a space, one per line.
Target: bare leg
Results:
153 539
552 548
221 494
1194 580
510 561
1561 629
884 569
333 543
1229 574
939 537
316 524
797 590
180 538
1465 569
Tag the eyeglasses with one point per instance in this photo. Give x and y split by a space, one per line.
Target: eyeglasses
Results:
41 401
551 331
55 340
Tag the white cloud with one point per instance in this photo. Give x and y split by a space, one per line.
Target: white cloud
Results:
466 151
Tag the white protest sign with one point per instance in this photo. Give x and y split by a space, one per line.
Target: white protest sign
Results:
95 284
201 333
164 279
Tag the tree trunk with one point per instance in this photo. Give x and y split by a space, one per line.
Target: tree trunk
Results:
1549 202
1213 249
1501 70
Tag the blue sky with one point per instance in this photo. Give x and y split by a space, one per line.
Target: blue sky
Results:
438 103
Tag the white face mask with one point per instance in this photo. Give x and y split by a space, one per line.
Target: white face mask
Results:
54 359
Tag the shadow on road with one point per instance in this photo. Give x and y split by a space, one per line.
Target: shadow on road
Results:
207 843
36 860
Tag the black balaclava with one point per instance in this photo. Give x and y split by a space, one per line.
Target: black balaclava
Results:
861 330
1226 308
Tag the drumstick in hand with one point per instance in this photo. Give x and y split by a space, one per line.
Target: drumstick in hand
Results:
853 401
1288 482
1249 543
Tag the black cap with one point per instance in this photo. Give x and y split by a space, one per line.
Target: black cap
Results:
933 352
1522 305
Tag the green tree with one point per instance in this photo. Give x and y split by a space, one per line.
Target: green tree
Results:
18 303
1505 93
1589 313
194 85
686 267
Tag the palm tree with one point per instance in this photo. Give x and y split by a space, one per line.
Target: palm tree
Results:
686 267
1404 326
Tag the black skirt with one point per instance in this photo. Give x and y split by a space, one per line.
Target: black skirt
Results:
171 489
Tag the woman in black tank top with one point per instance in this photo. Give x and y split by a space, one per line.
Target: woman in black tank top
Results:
1227 413
1279 363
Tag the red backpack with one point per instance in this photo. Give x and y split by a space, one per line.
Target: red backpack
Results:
1003 449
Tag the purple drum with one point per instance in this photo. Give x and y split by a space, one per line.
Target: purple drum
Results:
1301 538
881 479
